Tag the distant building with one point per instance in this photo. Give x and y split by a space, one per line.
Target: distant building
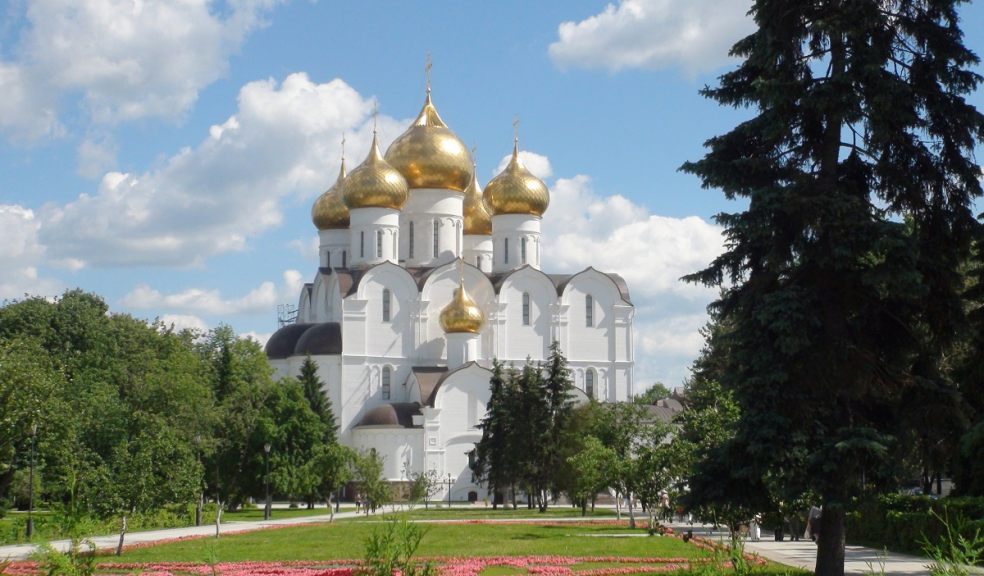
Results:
423 279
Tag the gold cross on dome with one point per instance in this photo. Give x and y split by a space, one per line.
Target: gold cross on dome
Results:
427 71
516 128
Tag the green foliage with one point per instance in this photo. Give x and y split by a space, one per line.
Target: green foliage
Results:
367 472
957 553
79 560
391 548
595 464
653 394
908 523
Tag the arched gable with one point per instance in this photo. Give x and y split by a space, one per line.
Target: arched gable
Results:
390 298
394 277
304 312
520 338
601 286
462 394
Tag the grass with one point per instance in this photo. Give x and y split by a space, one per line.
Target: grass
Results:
344 539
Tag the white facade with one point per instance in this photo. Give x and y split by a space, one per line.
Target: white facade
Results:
398 384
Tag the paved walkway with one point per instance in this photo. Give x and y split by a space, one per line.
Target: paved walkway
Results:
803 554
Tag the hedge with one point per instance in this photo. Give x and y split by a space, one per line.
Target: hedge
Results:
901 522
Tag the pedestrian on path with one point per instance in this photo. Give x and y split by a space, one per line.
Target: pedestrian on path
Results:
813 523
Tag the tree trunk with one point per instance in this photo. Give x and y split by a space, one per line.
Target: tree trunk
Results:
119 546
632 522
830 542
618 505
218 516
198 508
331 509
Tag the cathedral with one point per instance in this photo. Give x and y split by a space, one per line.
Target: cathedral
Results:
424 278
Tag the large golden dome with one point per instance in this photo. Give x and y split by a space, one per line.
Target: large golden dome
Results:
429 155
478 221
374 183
329 212
516 190
462 314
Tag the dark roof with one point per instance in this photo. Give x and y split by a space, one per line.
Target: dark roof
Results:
281 345
398 414
561 281
662 412
320 340
428 378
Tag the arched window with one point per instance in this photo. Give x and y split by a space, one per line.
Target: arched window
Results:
386 305
588 311
411 240
386 382
526 308
379 243
505 250
362 243
522 249
328 255
437 231
344 258
589 383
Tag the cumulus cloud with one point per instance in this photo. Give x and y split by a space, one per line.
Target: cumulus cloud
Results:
653 34
611 233
284 139
21 254
124 59
538 164
263 298
183 322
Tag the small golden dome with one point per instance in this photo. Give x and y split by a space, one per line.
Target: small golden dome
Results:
374 183
462 314
329 212
429 155
478 221
516 190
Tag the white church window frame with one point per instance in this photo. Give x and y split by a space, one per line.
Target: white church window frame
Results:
387 297
589 310
526 308
386 387
589 383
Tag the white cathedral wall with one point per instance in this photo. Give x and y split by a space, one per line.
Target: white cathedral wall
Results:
516 340
401 449
435 295
461 402
424 207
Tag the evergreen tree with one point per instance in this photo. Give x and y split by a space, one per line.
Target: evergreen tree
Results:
494 452
320 403
558 389
840 279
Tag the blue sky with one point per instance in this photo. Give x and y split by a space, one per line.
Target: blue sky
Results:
165 155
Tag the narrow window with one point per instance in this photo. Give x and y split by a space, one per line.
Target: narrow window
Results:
478 262
362 243
386 383
588 311
522 249
329 260
526 308
386 305
505 251
436 237
457 238
379 243
344 258
589 383
411 240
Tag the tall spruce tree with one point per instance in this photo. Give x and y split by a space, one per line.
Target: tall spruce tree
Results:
842 272
319 402
493 453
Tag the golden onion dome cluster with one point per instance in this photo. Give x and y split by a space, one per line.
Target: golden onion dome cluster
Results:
374 183
462 314
516 190
478 221
429 155
329 212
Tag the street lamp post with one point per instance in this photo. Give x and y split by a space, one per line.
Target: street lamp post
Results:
266 480
30 498
450 484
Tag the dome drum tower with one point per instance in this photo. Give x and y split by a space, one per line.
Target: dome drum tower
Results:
517 200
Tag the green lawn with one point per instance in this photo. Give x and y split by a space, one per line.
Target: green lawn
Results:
344 539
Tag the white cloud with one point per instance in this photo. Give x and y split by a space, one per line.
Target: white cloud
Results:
21 254
260 337
613 234
124 59
263 298
695 35
538 164
183 321
283 140
97 154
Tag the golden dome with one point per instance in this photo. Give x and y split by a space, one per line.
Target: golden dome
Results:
516 190
329 212
374 183
477 218
429 155
462 314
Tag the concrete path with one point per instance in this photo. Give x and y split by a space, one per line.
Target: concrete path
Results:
803 554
